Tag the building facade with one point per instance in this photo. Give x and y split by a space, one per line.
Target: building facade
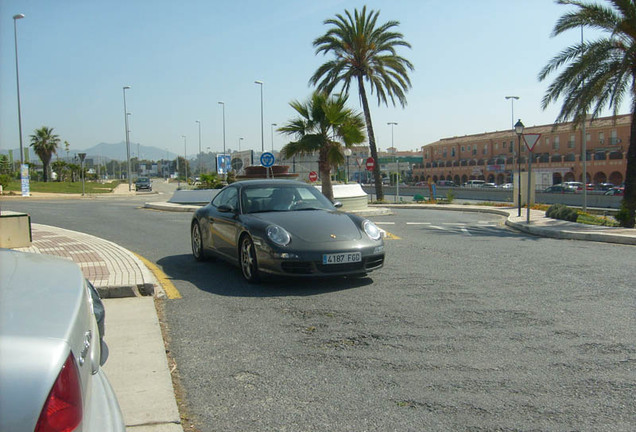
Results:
556 157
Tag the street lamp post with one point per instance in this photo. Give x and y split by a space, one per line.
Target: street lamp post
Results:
260 83
25 191
397 178
127 139
240 139
273 124
512 116
82 156
347 153
223 157
185 157
200 158
519 131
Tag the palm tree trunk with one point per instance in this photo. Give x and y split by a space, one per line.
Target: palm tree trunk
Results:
629 198
374 151
325 175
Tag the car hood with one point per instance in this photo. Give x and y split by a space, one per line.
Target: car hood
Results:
314 226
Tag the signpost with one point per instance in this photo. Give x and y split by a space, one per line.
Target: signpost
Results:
370 164
267 160
313 176
530 140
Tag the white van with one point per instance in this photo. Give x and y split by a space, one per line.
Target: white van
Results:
474 183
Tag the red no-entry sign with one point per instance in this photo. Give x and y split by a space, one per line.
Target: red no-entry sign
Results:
370 164
313 176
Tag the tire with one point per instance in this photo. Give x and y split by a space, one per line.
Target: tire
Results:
247 260
196 240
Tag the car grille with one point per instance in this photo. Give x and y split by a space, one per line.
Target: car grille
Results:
297 267
338 268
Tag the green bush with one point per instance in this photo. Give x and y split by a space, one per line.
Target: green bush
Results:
562 212
5 179
210 181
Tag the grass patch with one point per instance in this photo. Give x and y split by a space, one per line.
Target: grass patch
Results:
63 187
588 219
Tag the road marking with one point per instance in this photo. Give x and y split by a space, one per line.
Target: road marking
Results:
418 223
163 279
385 223
438 227
389 236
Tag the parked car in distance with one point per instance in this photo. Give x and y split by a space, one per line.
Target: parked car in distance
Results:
474 183
52 348
604 186
507 186
489 185
619 191
559 188
447 183
578 186
284 228
143 183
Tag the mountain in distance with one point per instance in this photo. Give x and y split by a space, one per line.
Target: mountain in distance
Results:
103 151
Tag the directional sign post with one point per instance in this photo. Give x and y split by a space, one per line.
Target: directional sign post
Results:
267 160
530 140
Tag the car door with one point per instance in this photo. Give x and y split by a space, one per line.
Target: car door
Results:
224 222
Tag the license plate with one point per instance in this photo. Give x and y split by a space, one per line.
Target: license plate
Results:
342 258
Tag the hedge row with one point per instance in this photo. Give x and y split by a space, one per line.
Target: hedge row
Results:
563 212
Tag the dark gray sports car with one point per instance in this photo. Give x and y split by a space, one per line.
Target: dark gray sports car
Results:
283 227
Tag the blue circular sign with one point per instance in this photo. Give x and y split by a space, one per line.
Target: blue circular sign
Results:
267 159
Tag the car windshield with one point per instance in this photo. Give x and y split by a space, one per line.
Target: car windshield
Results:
269 198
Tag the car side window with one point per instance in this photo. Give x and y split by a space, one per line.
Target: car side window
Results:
228 197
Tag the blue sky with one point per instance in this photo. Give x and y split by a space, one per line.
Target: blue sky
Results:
182 57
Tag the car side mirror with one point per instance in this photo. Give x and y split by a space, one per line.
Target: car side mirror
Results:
337 204
224 208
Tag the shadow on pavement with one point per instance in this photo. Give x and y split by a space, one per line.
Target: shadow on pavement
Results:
222 278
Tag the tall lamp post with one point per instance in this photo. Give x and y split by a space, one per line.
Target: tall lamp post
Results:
512 116
200 158
185 157
397 178
519 131
82 156
25 191
273 125
347 153
223 157
240 139
127 139
260 83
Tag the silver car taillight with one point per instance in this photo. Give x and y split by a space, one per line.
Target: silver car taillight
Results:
63 407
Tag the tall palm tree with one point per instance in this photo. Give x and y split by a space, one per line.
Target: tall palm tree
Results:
364 51
598 74
45 143
324 126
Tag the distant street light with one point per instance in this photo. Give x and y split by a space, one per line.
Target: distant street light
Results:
273 125
240 139
185 157
397 177
519 131
127 139
512 122
260 83
223 105
347 153
25 191
200 158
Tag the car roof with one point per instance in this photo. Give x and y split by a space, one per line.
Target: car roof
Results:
269 183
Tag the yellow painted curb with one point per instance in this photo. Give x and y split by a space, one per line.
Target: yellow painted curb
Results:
171 291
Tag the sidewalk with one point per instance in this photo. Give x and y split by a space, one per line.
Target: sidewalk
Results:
138 367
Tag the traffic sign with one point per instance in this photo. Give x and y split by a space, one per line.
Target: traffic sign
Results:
370 164
313 176
531 140
267 159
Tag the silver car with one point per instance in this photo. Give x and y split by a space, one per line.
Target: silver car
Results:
51 349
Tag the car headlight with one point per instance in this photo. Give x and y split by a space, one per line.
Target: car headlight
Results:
278 235
371 229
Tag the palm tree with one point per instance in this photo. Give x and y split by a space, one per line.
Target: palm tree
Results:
45 143
363 51
598 74
324 126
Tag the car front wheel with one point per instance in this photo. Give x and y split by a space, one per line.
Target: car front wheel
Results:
249 265
197 242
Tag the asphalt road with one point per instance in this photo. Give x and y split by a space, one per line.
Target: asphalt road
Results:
469 326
